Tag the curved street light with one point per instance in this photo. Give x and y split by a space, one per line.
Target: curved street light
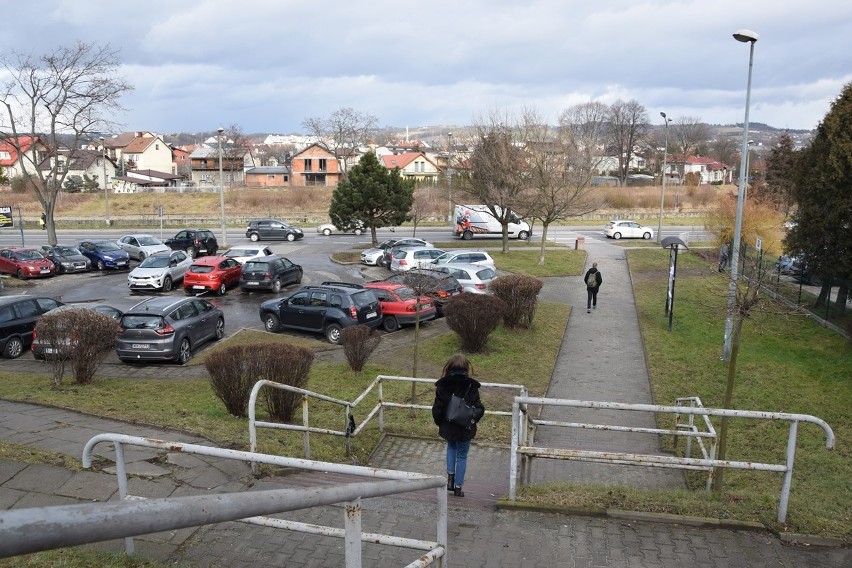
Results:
750 37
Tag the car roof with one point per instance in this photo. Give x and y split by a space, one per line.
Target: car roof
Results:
163 253
210 260
385 285
466 266
265 258
137 235
6 300
160 305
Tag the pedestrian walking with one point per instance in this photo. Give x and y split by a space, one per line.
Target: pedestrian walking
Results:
593 280
723 257
456 382
43 221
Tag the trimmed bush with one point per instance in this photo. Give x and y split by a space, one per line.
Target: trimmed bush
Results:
359 342
520 292
234 370
473 317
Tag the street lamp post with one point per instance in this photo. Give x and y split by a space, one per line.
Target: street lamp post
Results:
450 176
748 167
666 122
221 186
106 190
750 37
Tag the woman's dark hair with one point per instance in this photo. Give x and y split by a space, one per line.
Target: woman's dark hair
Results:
458 362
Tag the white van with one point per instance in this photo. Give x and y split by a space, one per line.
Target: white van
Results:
477 220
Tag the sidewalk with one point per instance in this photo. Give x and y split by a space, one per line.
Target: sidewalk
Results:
595 363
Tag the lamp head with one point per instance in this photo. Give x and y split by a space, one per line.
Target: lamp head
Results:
220 130
746 36
663 114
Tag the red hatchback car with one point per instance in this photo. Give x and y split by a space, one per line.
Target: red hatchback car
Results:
25 263
212 274
399 304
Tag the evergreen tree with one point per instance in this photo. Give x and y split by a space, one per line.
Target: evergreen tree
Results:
373 195
780 174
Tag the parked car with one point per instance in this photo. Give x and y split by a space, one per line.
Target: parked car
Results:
66 258
408 257
329 228
400 305
18 317
479 257
105 255
470 220
140 246
159 271
266 229
472 277
243 254
325 309
375 256
269 273
166 328
440 286
628 230
41 350
212 274
194 242
25 263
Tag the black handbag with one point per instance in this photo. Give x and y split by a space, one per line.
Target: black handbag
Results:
459 412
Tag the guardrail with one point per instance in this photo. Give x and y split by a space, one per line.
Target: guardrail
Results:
522 423
29 530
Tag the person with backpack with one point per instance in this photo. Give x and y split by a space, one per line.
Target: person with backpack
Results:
593 280
457 383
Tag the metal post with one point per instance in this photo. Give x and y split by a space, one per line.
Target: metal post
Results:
352 534
513 454
788 475
666 121
751 38
221 189
121 474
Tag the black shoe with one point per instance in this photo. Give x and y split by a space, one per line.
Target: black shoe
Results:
451 482
458 492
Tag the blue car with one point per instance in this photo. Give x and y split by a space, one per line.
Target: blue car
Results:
105 255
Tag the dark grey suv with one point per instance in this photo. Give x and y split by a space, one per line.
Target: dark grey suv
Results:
18 318
271 229
269 273
325 309
167 329
194 242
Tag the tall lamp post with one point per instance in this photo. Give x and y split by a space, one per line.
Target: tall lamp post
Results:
450 176
220 130
666 122
106 190
750 37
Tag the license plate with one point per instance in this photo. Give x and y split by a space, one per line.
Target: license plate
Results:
198 288
253 283
45 270
370 315
139 346
50 350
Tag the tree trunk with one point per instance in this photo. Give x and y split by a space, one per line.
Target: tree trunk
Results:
543 240
719 474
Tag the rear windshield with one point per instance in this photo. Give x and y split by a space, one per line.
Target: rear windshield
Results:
486 274
363 298
141 321
251 266
200 268
405 293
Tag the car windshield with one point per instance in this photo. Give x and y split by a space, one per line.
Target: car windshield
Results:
200 269
141 321
146 241
363 298
155 262
66 251
241 252
443 259
107 247
256 267
29 255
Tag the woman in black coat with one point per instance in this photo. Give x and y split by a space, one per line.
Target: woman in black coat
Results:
456 380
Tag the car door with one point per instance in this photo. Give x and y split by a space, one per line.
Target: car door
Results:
632 230
288 271
6 264
231 269
297 312
188 324
130 246
27 313
179 263
206 318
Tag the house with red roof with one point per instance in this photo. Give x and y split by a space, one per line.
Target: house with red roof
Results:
141 150
710 170
21 155
412 165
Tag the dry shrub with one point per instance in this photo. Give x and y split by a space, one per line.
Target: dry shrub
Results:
520 292
234 370
473 317
78 336
759 221
359 342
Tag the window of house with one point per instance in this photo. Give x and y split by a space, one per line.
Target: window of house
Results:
156 146
309 166
321 164
270 176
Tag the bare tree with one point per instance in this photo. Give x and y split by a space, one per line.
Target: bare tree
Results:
687 135
71 95
725 149
342 132
235 145
628 122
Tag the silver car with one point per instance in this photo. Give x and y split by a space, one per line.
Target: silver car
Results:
246 253
404 259
159 271
479 257
167 329
140 246
472 277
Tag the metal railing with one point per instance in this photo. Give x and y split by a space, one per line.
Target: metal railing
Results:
522 423
349 427
29 530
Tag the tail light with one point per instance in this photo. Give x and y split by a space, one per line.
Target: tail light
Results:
165 329
197 242
411 308
353 312
443 294
403 263
35 334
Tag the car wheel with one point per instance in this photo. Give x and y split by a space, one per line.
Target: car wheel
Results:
390 323
188 291
100 265
276 286
191 252
20 274
358 232
271 323
298 279
167 284
326 232
141 256
59 268
523 235
222 289
184 351
647 236
467 235
14 348
291 237
616 236
254 237
220 329
332 333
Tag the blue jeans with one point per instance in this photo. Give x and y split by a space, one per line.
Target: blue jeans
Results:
457 459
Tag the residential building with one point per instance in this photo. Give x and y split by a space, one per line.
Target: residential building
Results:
267 176
710 170
315 167
21 156
87 164
204 161
413 165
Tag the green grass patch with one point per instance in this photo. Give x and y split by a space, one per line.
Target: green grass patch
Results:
81 557
27 454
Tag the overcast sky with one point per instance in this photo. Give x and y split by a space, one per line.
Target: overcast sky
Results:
267 65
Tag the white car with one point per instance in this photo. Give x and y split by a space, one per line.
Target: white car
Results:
414 257
159 271
328 228
478 257
628 230
472 277
244 254
140 246
377 256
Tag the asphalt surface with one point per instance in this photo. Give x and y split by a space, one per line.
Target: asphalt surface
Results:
480 534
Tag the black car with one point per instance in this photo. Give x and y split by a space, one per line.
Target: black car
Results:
18 318
269 273
440 286
67 258
271 229
325 309
194 242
